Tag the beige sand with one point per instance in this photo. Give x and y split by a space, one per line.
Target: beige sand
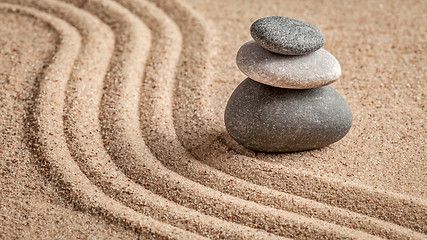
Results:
111 124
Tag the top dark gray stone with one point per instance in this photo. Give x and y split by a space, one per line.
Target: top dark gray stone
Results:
287 36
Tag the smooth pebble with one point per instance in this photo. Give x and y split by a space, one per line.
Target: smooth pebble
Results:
316 69
287 36
269 119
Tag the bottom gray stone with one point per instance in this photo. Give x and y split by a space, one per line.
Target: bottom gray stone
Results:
270 119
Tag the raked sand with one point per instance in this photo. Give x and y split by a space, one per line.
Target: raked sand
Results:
111 124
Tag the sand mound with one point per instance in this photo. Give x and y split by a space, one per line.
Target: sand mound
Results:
115 107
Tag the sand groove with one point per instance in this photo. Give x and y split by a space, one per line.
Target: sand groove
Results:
113 130
114 121
121 124
386 210
96 162
48 123
205 175
387 206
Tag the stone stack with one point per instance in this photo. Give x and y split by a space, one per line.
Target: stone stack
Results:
285 104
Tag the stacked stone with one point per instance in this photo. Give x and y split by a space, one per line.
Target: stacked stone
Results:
285 104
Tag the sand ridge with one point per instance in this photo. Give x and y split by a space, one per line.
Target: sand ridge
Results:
122 118
48 123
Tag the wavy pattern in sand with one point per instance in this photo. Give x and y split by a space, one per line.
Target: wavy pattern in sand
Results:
113 121
374 211
125 147
193 108
48 111
96 161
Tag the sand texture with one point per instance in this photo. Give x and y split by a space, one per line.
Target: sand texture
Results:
111 124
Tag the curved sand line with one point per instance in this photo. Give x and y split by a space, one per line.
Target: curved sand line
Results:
358 198
51 140
158 128
86 142
236 186
192 115
119 135
77 78
126 79
117 190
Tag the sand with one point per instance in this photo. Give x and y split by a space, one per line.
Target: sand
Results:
111 124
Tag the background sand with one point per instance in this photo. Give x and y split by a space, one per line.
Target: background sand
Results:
111 123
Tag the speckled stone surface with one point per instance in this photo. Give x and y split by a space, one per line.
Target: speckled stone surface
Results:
270 119
286 35
316 69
